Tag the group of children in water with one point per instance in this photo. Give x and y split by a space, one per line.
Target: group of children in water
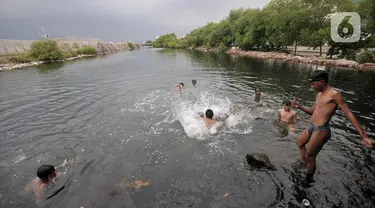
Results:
327 99
47 173
286 116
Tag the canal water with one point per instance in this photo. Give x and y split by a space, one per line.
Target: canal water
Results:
120 137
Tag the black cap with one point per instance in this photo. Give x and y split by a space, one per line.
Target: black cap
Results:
318 75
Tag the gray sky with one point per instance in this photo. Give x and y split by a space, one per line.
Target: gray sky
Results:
114 20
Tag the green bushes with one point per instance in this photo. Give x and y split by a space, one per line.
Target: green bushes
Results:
70 53
169 41
21 58
131 46
45 50
48 50
366 56
283 23
86 49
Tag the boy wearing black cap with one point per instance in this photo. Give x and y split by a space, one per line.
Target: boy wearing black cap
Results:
326 103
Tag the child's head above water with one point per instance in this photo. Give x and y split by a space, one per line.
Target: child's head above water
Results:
182 84
46 172
209 113
194 82
287 104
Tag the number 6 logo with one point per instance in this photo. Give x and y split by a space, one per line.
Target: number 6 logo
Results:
347 31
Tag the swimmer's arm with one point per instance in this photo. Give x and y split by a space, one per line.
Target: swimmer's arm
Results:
279 116
295 118
339 99
306 109
303 108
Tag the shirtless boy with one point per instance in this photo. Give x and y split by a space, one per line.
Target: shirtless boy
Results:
326 103
37 186
257 95
178 87
288 116
208 120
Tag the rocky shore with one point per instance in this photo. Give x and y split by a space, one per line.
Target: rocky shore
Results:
289 58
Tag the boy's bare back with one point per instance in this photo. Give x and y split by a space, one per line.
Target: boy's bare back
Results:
209 122
36 187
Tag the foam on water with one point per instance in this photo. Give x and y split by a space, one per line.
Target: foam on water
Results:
185 107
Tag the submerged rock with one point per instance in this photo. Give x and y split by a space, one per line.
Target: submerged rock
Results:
259 161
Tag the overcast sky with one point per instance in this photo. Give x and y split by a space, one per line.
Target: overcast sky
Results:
113 20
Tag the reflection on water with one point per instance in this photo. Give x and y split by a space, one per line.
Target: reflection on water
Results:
122 138
45 68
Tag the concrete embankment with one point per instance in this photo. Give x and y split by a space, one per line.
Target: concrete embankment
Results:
9 48
12 47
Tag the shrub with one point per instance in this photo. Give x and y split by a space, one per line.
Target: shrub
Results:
45 50
222 47
131 46
21 58
365 56
65 47
70 53
86 49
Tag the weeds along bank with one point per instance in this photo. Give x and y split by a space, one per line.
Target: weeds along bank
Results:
49 50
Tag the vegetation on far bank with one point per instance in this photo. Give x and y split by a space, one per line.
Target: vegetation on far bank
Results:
48 50
282 23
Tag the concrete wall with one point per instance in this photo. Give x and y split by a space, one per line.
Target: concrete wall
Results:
8 46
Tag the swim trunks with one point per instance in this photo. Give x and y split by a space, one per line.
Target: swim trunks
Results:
326 127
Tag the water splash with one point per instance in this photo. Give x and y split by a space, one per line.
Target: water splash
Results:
185 108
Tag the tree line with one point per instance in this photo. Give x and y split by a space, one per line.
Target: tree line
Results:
283 23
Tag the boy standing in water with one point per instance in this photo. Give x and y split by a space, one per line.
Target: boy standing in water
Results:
37 186
257 94
288 116
319 132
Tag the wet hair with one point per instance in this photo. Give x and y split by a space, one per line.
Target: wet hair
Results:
181 83
258 89
44 171
209 113
287 102
194 81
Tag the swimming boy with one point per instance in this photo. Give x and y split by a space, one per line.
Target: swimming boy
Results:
208 120
319 132
288 116
194 82
178 87
37 186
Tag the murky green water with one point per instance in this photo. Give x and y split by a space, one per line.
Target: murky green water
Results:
128 141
